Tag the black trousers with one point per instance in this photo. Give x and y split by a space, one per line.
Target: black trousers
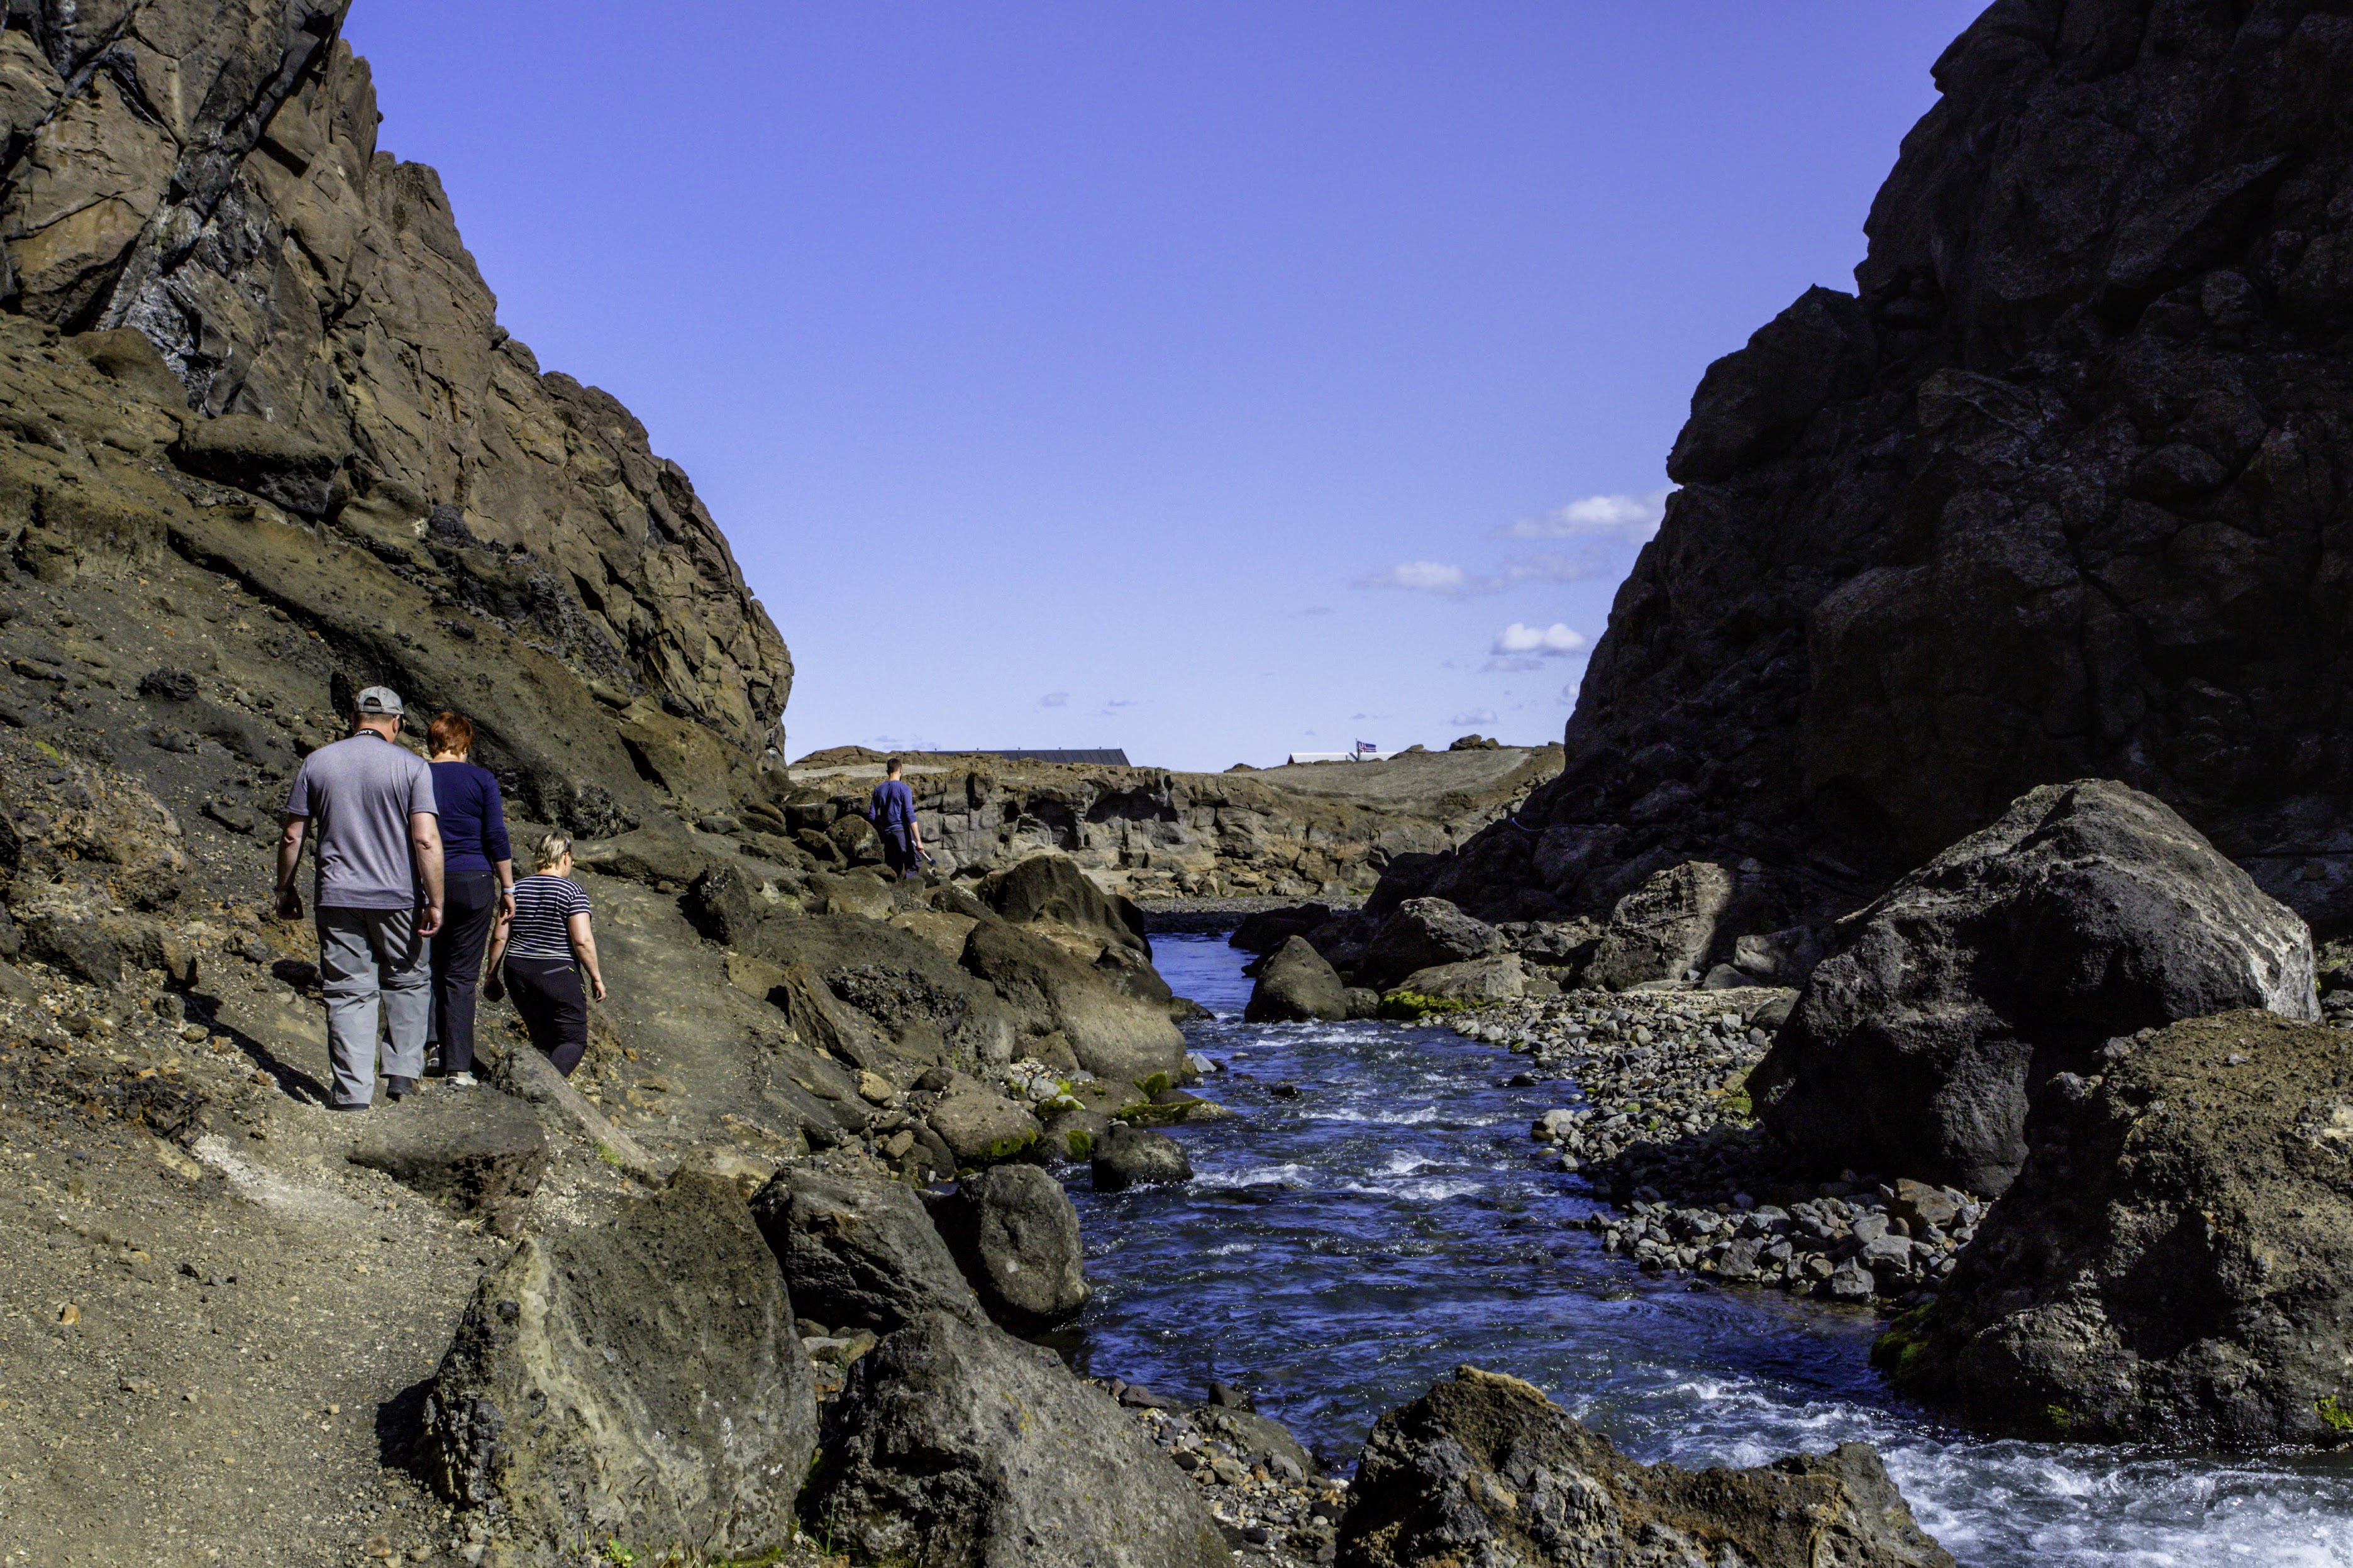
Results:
470 908
899 851
554 1007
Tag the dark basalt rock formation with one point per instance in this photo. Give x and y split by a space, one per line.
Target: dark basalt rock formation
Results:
1487 1471
2175 1262
638 1380
2055 494
2089 911
1295 985
858 1254
1015 1234
960 1446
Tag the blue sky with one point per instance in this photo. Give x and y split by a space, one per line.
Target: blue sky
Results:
1211 379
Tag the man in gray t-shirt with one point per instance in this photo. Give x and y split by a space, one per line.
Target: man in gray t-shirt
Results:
367 803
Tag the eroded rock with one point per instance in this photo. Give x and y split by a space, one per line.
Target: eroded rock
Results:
958 1445
639 1381
2175 1260
1485 1469
2089 911
859 1253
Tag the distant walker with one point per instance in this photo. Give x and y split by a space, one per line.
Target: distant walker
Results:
892 811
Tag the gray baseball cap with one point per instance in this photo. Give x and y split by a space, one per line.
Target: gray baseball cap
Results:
379 700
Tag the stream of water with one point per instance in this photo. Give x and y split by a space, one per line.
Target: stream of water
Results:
1343 1248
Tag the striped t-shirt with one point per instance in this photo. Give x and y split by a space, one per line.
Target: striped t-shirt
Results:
543 905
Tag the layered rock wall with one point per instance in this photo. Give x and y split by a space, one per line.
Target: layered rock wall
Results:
1327 827
206 173
2059 491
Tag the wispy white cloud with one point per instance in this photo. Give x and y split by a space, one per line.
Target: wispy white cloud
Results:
1474 716
1555 641
1568 694
1624 518
1447 582
1519 648
1055 700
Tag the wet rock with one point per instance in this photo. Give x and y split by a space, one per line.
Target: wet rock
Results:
637 1381
1015 1233
483 1151
1663 929
1484 1468
982 1128
2088 910
859 1252
959 1445
1296 986
2175 1260
1130 1156
1073 1134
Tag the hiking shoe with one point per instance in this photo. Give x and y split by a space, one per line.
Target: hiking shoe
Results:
462 1081
400 1088
348 1105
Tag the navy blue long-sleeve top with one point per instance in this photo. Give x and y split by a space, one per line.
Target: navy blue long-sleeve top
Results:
473 818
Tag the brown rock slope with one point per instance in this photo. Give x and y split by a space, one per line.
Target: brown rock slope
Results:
2056 493
336 418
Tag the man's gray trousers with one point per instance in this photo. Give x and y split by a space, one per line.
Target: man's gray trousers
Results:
365 955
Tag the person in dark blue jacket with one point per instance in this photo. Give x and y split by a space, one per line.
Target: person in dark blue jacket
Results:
892 811
479 880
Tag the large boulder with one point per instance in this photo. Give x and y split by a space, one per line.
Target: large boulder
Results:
1296 986
639 1381
2174 1262
2088 910
1053 888
959 1446
1112 1035
859 1253
1015 1233
1423 933
1487 1471
1477 982
1663 929
982 1128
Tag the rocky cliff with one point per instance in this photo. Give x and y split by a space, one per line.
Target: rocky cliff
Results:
2059 491
1298 831
333 416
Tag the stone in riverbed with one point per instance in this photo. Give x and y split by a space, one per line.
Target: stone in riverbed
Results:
641 1380
859 1252
1073 1134
1487 1471
1015 1233
1132 1157
1296 986
2088 910
957 1445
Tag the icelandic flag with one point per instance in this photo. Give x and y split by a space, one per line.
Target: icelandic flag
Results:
1365 747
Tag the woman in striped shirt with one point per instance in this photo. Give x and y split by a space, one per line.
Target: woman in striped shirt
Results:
546 945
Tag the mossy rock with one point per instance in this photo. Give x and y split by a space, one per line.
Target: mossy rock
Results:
1411 1006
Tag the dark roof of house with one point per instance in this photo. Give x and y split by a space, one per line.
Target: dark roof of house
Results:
1117 759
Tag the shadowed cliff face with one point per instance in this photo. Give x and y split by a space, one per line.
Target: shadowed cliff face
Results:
205 172
2060 492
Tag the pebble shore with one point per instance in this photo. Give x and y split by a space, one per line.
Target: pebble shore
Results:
1657 1121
